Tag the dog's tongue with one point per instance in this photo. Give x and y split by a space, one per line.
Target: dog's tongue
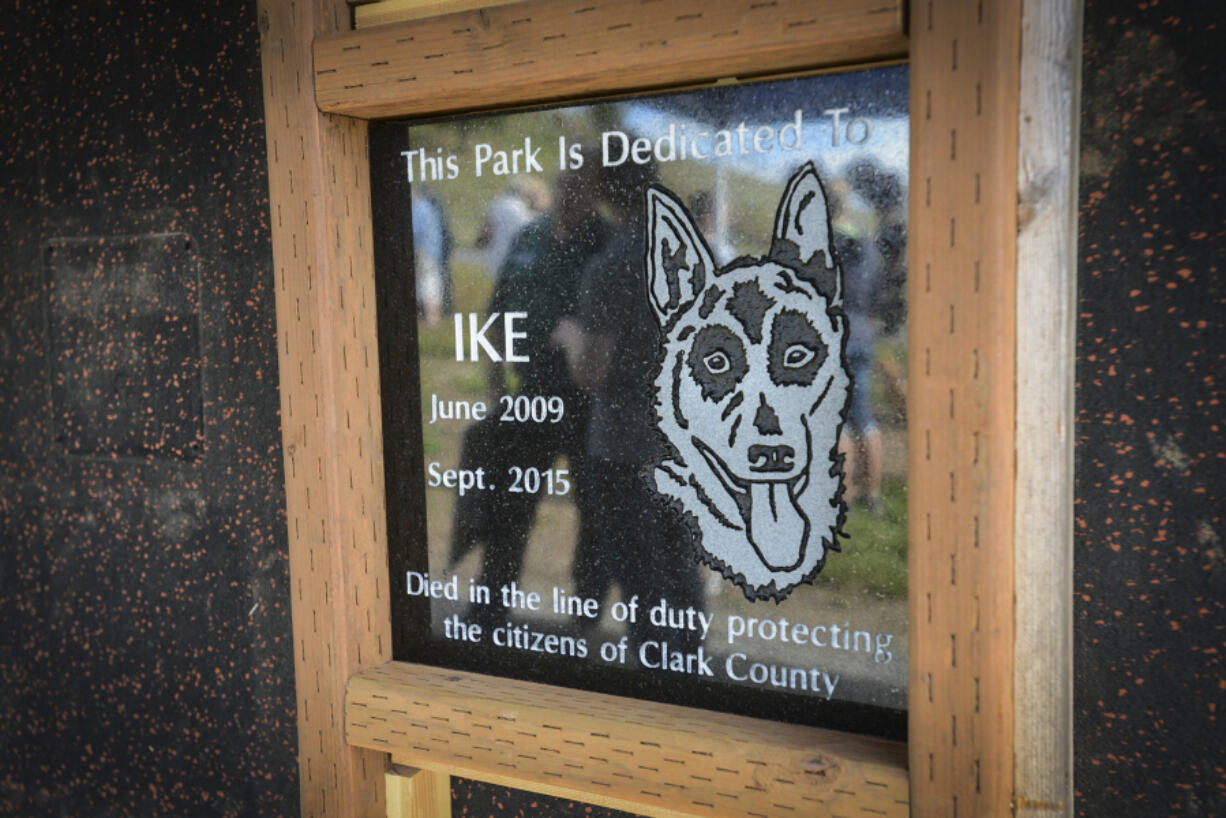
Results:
775 525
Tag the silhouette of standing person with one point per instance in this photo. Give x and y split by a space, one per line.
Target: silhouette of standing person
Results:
540 278
612 344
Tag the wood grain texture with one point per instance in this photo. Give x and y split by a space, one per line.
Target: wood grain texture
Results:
961 262
1046 310
614 751
397 11
416 793
542 50
320 219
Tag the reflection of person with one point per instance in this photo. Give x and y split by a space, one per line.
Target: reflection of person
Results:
611 344
884 192
507 214
539 277
428 256
702 207
863 272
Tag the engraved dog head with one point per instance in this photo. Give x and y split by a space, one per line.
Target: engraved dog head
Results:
752 388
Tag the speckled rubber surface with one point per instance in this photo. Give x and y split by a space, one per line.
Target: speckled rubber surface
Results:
1150 574
145 660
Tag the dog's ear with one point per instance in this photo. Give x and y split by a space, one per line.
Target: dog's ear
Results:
803 239
678 259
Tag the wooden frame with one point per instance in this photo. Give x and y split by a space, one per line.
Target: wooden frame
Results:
974 747
538 51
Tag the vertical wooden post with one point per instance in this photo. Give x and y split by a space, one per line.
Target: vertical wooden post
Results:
964 76
320 219
413 793
1046 310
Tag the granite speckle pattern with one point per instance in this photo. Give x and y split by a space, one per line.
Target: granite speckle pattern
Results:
145 659
1150 571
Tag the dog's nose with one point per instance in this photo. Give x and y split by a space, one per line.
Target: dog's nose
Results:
766 421
770 458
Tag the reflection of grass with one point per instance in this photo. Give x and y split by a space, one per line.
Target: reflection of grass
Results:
450 379
472 293
472 288
889 382
432 443
436 342
875 552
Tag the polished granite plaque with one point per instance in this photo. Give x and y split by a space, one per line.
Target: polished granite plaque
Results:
643 371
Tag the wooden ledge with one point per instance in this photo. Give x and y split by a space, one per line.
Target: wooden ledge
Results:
615 751
542 50
382 12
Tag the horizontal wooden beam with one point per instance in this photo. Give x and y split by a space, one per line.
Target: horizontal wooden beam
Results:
543 50
382 12
646 756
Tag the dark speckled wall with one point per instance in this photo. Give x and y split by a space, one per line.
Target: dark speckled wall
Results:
1150 573
145 664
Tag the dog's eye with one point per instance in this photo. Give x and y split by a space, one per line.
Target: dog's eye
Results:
797 355
717 362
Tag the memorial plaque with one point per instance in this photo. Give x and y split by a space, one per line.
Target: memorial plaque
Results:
643 372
